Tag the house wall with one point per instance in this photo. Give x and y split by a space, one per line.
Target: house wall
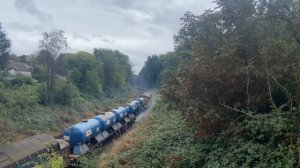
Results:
24 73
14 72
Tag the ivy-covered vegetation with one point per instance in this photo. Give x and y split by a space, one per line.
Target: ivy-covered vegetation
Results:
234 75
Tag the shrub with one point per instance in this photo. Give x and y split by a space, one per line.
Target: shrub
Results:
20 80
50 160
21 97
64 92
40 73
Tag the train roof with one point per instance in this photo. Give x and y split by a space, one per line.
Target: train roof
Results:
147 95
85 124
16 151
107 115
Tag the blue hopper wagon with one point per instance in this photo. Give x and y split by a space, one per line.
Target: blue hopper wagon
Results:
107 121
81 135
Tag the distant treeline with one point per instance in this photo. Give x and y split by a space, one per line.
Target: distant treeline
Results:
103 72
61 75
89 75
235 76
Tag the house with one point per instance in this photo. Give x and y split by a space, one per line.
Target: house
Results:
19 68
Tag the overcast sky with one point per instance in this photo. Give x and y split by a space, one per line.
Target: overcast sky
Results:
138 28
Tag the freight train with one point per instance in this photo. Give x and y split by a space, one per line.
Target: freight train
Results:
77 139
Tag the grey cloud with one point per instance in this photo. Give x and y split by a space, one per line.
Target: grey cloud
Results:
30 7
103 39
18 26
164 13
106 40
138 28
77 36
155 31
124 4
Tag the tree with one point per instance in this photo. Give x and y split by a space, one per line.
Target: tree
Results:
4 49
148 77
51 45
238 60
116 69
167 77
284 11
85 71
237 81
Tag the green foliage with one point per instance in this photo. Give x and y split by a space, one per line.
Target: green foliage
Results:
167 76
90 160
148 77
65 92
63 87
106 72
4 49
236 81
116 69
20 80
40 73
20 97
269 140
51 45
24 112
229 63
167 142
85 72
25 108
50 160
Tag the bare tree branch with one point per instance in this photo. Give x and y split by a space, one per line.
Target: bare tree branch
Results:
247 89
269 86
236 110
286 91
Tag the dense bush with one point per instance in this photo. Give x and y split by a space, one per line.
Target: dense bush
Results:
20 80
21 97
229 64
65 92
39 73
49 160
164 140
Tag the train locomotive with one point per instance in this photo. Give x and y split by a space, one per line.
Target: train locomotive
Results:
77 139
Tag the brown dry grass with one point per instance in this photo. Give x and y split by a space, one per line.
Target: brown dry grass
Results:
128 141
139 133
